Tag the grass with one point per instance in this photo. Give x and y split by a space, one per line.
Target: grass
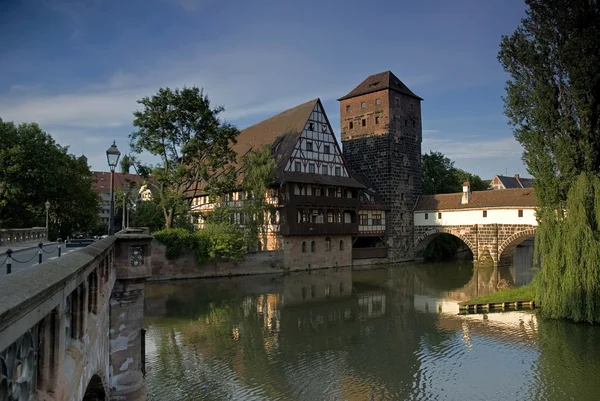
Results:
523 293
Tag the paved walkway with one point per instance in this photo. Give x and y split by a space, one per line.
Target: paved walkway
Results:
24 246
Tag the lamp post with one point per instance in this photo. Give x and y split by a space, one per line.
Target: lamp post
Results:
112 155
47 204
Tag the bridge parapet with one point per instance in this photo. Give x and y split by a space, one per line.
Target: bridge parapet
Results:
71 328
13 236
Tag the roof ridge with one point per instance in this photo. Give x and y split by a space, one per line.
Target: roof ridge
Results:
315 100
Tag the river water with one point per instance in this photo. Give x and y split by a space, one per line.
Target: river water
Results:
388 334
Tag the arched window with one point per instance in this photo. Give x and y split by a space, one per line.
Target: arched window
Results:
313 246
327 244
341 245
303 246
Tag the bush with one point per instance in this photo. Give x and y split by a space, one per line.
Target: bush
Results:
214 241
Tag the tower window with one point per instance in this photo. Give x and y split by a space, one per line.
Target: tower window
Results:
402 196
309 146
326 149
397 101
363 105
350 125
364 122
297 166
347 108
378 101
377 120
406 123
412 107
413 123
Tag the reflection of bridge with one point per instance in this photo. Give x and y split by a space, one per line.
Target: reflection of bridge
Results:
491 223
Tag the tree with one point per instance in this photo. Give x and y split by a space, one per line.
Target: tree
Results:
126 164
553 103
148 214
35 169
193 144
441 177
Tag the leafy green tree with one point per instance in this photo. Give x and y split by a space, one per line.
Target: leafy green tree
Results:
35 169
148 214
553 102
126 164
192 142
441 177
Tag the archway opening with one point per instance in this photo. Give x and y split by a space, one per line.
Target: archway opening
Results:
443 247
517 250
95 390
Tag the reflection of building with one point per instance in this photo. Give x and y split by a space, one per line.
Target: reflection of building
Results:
317 286
371 304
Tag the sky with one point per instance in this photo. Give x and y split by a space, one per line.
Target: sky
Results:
77 67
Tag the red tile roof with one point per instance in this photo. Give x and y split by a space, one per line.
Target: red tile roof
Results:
510 198
103 180
378 82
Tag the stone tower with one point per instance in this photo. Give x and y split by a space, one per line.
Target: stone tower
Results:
381 134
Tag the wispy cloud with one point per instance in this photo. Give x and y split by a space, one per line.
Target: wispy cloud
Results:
430 131
462 149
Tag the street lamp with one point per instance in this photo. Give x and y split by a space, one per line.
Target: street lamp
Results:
47 204
112 155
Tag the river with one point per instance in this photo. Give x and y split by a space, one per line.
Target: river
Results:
387 334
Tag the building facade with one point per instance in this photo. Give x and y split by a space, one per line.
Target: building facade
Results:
381 134
131 183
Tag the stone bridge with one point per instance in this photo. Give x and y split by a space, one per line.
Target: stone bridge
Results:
72 328
495 242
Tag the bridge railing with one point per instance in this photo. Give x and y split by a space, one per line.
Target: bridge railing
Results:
11 236
64 307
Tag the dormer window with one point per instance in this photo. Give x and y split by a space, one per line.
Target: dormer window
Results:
311 126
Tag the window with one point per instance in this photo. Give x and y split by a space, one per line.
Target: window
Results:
347 108
317 191
341 245
413 123
378 101
326 149
363 220
304 291
309 146
439 215
402 196
313 246
426 216
350 125
363 105
311 168
406 123
520 213
313 290
338 171
485 213
347 218
297 166
364 122
101 178
397 101
327 290
324 169
341 287
327 244
330 217
311 126
303 246
376 219
331 191
401 216
412 107
377 120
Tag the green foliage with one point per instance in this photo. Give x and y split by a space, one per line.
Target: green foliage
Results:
553 97
35 169
553 103
523 293
569 244
441 177
214 241
126 164
193 144
148 214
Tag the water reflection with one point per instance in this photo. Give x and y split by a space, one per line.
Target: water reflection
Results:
363 335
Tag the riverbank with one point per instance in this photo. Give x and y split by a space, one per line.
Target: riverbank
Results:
503 300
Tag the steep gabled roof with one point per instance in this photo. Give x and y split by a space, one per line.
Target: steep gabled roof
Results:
515 182
378 82
509 198
281 132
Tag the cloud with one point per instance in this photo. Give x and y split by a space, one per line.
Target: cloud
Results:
463 149
430 131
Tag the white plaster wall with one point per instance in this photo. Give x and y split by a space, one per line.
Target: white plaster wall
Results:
475 216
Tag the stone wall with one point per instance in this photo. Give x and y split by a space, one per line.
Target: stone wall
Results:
185 266
389 155
295 259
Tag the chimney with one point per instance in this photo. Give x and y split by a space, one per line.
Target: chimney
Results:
466 196
517 177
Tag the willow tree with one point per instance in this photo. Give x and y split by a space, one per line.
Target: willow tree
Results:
181 128
553 102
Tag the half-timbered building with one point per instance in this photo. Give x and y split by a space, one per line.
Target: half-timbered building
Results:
315 197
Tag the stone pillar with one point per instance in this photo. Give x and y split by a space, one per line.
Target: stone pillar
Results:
132 265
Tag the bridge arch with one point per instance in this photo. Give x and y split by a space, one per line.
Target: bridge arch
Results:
507 248
95 390
425 239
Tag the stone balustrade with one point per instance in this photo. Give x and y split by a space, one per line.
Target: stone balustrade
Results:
72 328
17 235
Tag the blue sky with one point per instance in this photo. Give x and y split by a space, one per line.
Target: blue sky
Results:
77 67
